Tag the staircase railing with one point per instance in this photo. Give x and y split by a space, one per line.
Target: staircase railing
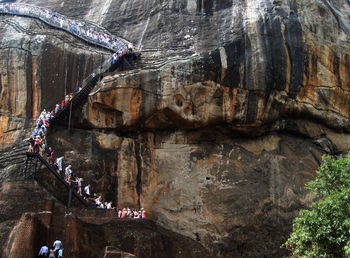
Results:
90 82
32 156
76 100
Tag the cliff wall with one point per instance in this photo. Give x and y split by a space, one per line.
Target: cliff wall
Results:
218 127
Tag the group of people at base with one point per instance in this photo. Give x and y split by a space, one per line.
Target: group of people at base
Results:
55 252
127 213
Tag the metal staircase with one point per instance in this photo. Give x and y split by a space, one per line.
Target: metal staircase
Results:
32 167
78 99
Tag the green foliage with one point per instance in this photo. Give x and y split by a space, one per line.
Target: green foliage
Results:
324 229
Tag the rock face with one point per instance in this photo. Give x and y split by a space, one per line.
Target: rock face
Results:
87 233
216 130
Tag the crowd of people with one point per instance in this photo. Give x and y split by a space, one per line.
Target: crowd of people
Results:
55 252
38 144
88 32
127 213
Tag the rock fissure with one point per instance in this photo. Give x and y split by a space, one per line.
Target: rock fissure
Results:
138 186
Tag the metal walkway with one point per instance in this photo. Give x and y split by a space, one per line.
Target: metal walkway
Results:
87 31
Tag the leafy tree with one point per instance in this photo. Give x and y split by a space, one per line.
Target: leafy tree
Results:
324 229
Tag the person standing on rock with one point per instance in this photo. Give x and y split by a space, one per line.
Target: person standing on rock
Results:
44 251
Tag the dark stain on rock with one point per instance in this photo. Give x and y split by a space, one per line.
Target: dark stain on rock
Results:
294 38
252 107
235 53
306 66
205 6
336 67
346 63
323 96
70 10
322 11
138 158
248 73
314 65
0 82
29 103
275 54
222 4
293 5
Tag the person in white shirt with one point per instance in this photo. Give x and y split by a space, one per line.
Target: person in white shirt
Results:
68 173
98 202
59 162
57 245
87 191
109 205
136 215
44 251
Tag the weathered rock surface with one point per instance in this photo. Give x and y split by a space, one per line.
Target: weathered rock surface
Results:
85 234
217 130
232 194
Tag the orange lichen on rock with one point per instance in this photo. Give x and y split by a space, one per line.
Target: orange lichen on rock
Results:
135 102
4 94
229 102
3 127
344 73
340 100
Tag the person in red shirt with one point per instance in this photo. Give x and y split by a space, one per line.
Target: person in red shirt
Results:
37 143
143 213
123 216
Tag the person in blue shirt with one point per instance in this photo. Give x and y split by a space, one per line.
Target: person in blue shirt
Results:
36 131
60 253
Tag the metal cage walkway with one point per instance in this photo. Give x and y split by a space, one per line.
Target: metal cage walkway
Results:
86 31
